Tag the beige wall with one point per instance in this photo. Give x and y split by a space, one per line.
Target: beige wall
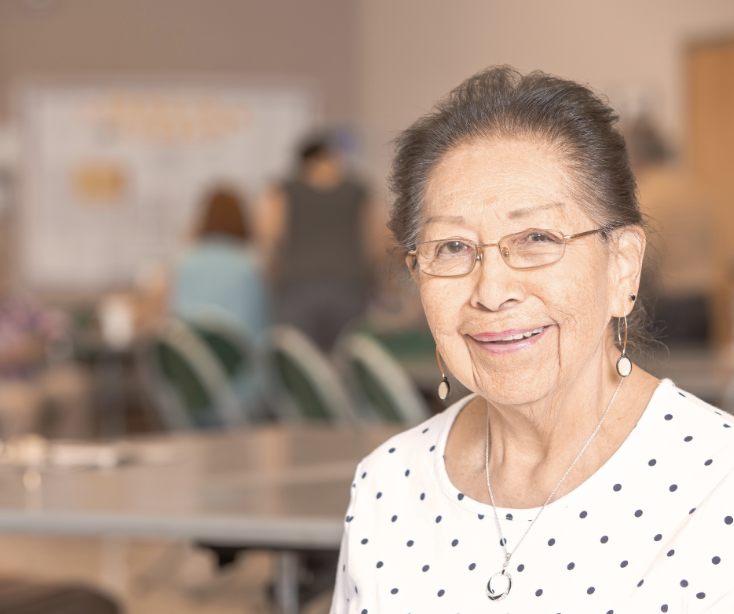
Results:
414 51
314 39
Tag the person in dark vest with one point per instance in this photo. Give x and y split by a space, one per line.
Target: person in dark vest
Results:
318 226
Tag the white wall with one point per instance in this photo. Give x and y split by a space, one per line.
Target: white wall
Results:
412 52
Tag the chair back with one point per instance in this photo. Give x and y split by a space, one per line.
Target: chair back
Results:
189 386
380 385
301 384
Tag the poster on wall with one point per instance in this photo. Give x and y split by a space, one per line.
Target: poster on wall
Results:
114 174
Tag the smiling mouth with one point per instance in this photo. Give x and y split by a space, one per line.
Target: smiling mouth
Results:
510 339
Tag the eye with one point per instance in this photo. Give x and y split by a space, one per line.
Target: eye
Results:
453 248
540 237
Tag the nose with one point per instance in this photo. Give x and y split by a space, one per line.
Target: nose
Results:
497 286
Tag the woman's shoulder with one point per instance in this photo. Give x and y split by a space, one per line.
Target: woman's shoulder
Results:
683 411
416 443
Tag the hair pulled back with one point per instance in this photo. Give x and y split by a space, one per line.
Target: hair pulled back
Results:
501 103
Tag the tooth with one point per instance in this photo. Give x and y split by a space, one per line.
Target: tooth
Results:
532 332
515 337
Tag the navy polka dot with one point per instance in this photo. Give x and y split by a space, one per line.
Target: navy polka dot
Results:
379 564
658 537
365 540
638 513
604 539
728 520
640 583
520 567
460 496
671 552
668 417
432 448
423 496
709 461
407 472
652 462
681 394
393 519
426 568
455 543
684 583
693 509
438 519
551 541
379 495
441 593
624 564
570 566
673 487
410 543
539 592
481 516
394 591
727 426
425 431
583 514
472 567
590 590
689 438
508 516
363 611
391 450
617 487
503 542
364 475
716 560
700 595
350 518
664 607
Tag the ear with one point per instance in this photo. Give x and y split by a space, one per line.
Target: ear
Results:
412 268
628 250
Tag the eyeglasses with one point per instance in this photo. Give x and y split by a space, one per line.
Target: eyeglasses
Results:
529 249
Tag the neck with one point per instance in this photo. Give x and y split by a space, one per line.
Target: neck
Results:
532 445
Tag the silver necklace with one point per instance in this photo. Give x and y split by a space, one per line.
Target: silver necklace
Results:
503 577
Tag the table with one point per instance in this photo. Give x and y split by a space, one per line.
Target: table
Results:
281 488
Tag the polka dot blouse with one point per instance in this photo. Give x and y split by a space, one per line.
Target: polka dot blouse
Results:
651 531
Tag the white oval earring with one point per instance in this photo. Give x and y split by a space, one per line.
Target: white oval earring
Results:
444 388
624 364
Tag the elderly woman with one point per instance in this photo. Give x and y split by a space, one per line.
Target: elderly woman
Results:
571 480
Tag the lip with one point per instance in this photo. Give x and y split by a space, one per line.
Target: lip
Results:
484 340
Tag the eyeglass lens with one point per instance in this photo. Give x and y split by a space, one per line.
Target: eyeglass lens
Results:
528 249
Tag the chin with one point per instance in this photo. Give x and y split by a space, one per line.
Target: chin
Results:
513 386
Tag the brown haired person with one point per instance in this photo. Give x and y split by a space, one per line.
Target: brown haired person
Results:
320 229
221 272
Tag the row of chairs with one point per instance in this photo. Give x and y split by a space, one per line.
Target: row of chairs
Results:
205 372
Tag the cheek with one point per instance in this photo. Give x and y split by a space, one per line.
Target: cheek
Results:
442 302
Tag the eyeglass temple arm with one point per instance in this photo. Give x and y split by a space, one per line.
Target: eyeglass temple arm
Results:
583 234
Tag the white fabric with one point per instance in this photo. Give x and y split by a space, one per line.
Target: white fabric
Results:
660 511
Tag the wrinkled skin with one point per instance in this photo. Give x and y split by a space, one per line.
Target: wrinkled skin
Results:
544 400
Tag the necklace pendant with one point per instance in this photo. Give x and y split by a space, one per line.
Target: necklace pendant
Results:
503 584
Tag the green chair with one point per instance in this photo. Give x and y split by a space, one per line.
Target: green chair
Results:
300 382
382 389
188 385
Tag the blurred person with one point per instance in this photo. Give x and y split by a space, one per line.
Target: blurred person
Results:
222 272
321 231
570 480
37 396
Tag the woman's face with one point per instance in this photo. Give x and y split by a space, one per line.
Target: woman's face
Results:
485 190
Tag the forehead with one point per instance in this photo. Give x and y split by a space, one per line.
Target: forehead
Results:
501 183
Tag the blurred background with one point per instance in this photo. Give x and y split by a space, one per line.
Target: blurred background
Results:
193 245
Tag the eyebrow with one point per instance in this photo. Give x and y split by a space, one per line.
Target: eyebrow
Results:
525 211
453 219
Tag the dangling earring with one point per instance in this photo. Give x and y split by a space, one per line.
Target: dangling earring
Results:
624 364
444 388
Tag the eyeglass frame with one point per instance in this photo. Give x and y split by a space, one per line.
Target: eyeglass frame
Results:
480 253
